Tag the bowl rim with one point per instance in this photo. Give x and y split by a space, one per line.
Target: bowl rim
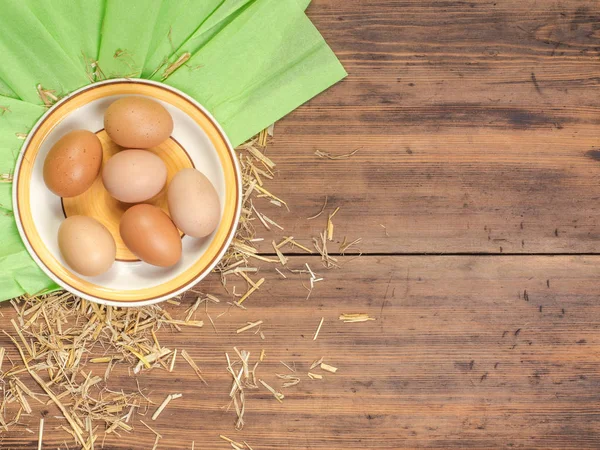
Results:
195 279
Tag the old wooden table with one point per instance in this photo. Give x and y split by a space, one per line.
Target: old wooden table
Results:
475 192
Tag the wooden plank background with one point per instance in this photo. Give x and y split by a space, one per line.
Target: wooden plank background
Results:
478 125
479 133
456 358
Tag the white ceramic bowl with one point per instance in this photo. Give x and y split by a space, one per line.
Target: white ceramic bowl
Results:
197 141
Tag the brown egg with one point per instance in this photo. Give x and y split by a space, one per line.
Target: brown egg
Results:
73 163
193 203
150 235
132 176
138 122
86 245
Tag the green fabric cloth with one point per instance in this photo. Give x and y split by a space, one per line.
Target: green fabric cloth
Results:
276 60
19 273
304 3
251 62
226 13
181 20
75 26
16 117
6 91
178 20
126 35
30 56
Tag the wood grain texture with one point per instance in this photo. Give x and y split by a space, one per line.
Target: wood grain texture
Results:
478 122
457 358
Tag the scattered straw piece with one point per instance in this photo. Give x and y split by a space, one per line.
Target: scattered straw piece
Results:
41 434
312 275
164 404
240 270
193 365
316 363
344 246
212 322
260 217
285 241
320 212
328 368
25 343
278 395
261 157
155 446
321 246
151 429
212 298
318 329
193 309
19 349
249 326
6 178
231 441
151 358
176 65
290 380
172 366
242 379
322 154
268 194
189 323
74 425
330 224
315 376
2 351
22 400
262 354
280 255
46 95
92 69
272 222
350 318
288 367
248 279
250 292
103 359
262 137
296 244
